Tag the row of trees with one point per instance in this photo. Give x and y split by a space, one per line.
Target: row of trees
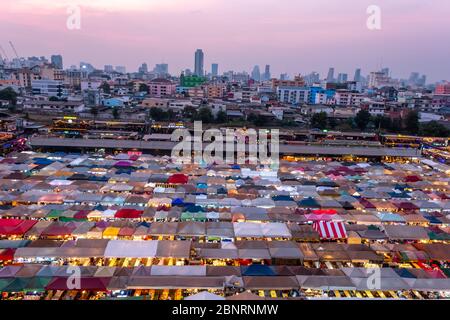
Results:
364 120
203 114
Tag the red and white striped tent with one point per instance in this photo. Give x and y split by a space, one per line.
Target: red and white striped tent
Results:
330 229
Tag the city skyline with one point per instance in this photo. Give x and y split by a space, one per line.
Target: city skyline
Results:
296 39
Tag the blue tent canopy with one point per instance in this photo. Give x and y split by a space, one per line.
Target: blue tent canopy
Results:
282 198
257 270
433 219
178 202
42 161
404 273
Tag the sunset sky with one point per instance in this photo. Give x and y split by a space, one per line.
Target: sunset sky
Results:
293 36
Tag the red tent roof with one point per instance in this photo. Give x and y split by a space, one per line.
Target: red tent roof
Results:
92 283
412 179
324 211
128 213
7 254
11 227
406 206
178 178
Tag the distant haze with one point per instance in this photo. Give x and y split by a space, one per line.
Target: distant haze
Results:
293 36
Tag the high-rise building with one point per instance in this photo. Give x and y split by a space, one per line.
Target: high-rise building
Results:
342 78
267 75
357 76
121 69
312 78
215 69
330 76
385 71
108 68
199 59
256 74
143 68
161 68
57 61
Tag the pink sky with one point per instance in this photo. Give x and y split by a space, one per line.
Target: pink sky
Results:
293 36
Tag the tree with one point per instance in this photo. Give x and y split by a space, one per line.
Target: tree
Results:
412 122
9 94
332 123
205 115
382 122
157 114
115 113
362 119
434 129
144 88
221 117
105 87
257 120
319 120
189 112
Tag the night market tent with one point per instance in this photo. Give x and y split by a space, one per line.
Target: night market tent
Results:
199 271
330 229
390 217
436 251
58 252
220 229
88 283
204 295
429 284
270 283
173 249
325 282
257 270
400 232
163 228
191 229
394 283
9 271
176 282
258 254
284 250
105 271
245 296
131 249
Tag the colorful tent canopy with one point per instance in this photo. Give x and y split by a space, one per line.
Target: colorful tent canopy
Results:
330 229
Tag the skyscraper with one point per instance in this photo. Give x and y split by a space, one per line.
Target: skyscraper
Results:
342 77
267 75
108 68
215 69
330 76
198 68
143 68
357 76
256 74
121 69
57 61
161 69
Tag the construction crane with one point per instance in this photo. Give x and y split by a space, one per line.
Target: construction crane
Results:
4 52
14 49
